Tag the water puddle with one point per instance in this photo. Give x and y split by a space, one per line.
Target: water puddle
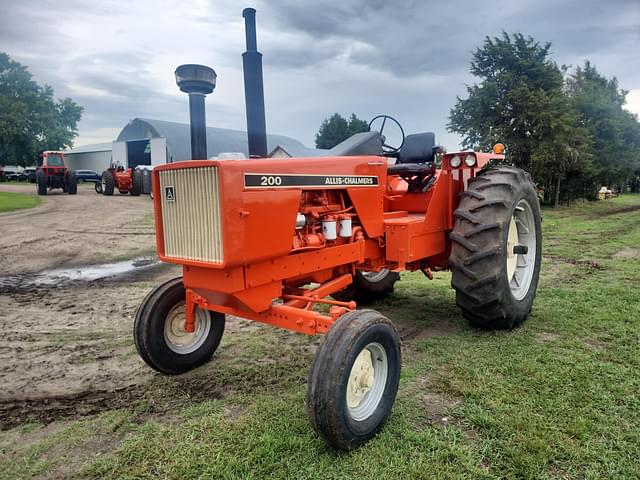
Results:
57 277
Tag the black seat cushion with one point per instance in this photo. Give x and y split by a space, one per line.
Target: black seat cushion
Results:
411 169
417 148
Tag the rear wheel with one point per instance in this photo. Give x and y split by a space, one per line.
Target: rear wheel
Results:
368 287
159 333
496 248
71 182
136 183
41 181
108 183
354 379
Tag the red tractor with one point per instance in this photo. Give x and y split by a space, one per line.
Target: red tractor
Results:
53 173
126 180
270 239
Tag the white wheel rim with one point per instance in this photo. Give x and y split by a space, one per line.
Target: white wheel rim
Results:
520 266
367 381
374 277
180 341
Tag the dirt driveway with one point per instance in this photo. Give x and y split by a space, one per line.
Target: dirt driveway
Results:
66 342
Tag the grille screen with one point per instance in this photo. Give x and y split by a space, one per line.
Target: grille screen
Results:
191 214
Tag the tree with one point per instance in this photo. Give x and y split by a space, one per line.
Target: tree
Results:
599 103
520 101
31 120
336 129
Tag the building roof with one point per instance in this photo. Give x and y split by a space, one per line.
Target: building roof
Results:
178 137
298 151
95 147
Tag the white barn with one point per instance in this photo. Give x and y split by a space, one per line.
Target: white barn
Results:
146 141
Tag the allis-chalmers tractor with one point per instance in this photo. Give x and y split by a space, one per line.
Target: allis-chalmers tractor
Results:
270 239
125 180
53 173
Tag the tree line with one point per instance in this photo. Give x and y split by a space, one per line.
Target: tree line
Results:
31 119
566 126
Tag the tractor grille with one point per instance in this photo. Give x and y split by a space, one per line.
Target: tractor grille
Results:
191 214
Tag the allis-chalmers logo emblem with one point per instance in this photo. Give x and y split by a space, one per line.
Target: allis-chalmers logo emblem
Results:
169 194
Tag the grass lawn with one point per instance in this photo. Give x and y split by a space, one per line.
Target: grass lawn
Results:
557 398
14 201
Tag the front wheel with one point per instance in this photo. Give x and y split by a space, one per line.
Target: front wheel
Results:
159 333
108 183
496 248
354 379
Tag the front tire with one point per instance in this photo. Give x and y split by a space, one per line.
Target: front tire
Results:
108 183
354 379
496 248
159 333
368 287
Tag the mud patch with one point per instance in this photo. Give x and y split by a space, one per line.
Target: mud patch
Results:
628 253
63 277
415 332
545 337
616 211
436 406
144 399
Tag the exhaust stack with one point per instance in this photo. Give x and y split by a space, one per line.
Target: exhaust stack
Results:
253 89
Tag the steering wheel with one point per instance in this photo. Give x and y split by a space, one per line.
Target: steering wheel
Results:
386 148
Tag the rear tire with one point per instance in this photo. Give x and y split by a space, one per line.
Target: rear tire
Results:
41 180
495 286
136 183
160 338
367 287
108 183
71 182
354 379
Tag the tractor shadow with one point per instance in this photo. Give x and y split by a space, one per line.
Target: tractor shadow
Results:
421 312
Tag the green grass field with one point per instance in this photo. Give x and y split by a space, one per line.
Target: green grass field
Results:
557 398
15 201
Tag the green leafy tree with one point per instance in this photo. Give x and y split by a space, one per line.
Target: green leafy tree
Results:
599 103
31 120
520 101
336 129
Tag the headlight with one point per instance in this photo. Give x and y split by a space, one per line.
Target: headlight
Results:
455 161
470 160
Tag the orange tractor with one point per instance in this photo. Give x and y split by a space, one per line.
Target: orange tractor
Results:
54 173
270 239
125 180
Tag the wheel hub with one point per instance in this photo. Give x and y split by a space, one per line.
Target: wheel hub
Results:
183 342
361 379
521 249
367 381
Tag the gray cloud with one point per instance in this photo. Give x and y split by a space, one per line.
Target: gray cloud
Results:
408 58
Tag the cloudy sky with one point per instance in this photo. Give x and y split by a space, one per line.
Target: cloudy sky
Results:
407 58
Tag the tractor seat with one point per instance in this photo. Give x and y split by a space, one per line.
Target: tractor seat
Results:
411 169
416 156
